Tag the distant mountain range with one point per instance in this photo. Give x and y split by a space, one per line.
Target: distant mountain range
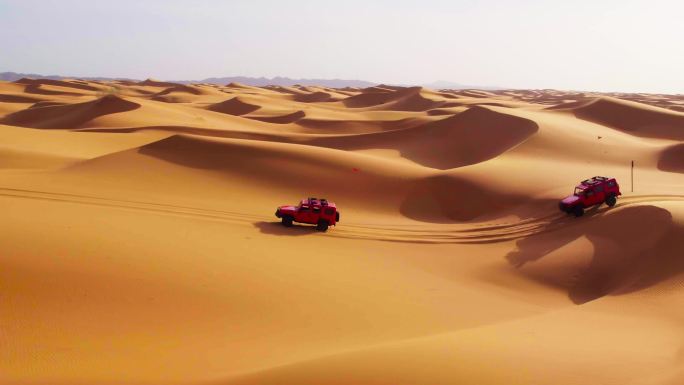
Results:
283 81
13 76
447 85
258 82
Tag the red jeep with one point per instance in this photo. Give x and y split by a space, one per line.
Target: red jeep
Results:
314 211
589 193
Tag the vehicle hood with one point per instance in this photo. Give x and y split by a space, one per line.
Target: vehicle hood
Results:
569 200
286 208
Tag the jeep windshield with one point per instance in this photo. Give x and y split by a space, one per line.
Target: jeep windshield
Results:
579 190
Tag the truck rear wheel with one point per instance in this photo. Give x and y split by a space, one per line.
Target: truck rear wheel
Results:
578 211
611 201
287 221
322 225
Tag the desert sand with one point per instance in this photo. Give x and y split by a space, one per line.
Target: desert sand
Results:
139 244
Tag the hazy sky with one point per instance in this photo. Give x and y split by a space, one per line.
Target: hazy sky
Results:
605 45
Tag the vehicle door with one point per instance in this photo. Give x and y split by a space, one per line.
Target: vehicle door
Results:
304 214
315 213
600 193
590 198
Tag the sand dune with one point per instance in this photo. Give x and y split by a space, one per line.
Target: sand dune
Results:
460 140
234 106
58 83
140 245
634 118
69 116
402 99
283 119
157 83
672 159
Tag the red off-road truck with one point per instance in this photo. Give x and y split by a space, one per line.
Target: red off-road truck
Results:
319 212
591 192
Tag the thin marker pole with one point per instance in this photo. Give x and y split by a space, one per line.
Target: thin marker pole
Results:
632 176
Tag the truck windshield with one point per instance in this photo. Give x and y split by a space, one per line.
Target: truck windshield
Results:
578 190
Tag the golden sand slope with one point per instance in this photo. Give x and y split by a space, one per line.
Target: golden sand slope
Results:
139 243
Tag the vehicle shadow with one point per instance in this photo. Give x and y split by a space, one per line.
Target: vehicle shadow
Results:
277 228
633 249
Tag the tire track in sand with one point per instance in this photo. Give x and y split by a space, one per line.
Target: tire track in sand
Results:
428 234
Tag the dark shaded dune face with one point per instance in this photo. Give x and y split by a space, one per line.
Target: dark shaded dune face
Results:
314 97
283 119
286 168
125 82
59 83
17 99
632 250
47 103
156 83
415 103
368 98
36 89
401 99
358 126
440 112
446 198
69 116
183 89
672 159
24 81
241 86
473 136
378 88
630 118
475 94
178 94
234 106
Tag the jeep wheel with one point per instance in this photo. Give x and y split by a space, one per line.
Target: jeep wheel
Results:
322 225
611 201
578 211
287 221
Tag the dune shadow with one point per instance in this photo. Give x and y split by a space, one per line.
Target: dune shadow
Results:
276 228
469 137
234 106
633 249
448 198
672 159
38 90
69 116
4 98
281 119
633 119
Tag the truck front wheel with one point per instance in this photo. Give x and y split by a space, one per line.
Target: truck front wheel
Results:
611 201
287 221
322 225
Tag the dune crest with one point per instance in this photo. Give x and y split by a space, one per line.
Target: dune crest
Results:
69 116
635 118
234 106
157 83
470 137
